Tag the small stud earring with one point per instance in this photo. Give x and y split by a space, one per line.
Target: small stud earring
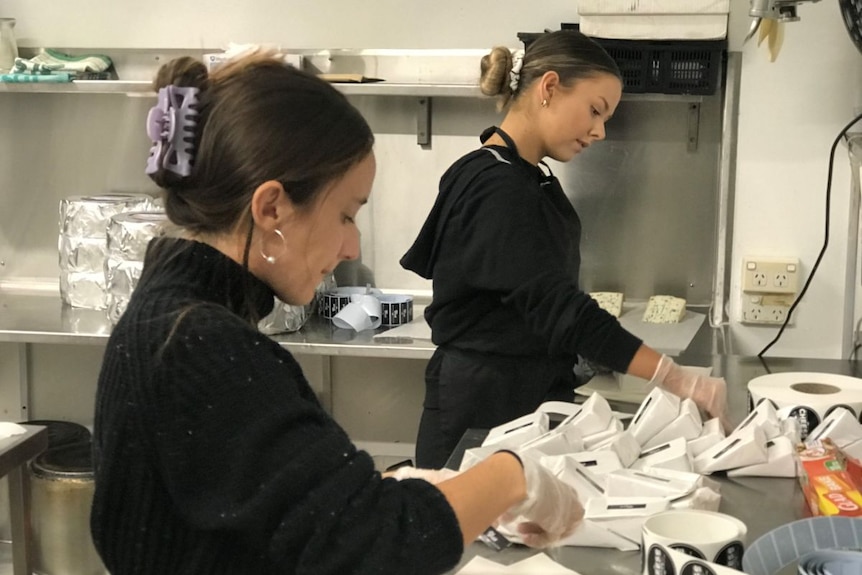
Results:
545 103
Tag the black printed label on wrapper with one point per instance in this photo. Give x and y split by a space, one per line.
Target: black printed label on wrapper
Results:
658 562
494 539
696 568
807 418
731 555
688 550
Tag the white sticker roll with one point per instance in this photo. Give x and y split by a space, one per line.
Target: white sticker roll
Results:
807 396
707 535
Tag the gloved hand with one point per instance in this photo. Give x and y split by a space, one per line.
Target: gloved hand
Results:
432 476
551 511
709 393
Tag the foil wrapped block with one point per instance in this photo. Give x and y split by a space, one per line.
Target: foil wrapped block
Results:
85 290
285 318
129 233
88 216
122 278
81 254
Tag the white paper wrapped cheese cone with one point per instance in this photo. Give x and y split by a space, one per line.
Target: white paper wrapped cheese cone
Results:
599 463
763 416
670 455
739 449
687 425
781 461
841 426
615 427
556 442
592 534
641 483
623 516
623 444
569 471
513 434
657 411
595 416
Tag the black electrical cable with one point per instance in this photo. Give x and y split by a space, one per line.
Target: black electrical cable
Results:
825 239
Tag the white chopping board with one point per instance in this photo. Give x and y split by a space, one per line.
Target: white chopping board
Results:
669 338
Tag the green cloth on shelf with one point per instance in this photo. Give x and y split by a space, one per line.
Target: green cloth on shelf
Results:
56 77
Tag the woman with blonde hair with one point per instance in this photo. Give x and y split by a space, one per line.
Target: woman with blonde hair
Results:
502 246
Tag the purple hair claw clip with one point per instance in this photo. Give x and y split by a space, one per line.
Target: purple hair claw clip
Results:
170 125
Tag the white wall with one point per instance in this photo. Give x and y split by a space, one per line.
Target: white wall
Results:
291 24
790 110
790 113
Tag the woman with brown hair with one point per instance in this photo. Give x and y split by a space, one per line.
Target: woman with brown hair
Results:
213 454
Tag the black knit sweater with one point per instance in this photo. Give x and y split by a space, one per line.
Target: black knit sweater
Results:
213 454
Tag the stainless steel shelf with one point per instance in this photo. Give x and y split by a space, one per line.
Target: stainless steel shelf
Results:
82 87
29 318
144 88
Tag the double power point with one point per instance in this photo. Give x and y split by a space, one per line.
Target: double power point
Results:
769 286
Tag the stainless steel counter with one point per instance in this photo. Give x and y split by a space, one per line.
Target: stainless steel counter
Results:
41 317
762 503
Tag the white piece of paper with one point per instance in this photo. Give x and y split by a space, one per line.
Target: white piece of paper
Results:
8 429
538 563
416 329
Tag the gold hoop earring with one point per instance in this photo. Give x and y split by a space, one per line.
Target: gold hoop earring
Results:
271 259
545 103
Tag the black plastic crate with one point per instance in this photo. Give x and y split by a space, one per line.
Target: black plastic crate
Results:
661 66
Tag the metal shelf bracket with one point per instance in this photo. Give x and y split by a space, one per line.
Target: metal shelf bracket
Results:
423 121
693 126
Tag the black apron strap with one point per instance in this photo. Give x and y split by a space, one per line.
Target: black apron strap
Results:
510 143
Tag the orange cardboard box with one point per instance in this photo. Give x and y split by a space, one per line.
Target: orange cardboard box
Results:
854 468
827 485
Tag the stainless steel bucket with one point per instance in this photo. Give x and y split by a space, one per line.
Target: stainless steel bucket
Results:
59 433
61 494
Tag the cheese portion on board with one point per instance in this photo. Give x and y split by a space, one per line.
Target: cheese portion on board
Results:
664 309
611 302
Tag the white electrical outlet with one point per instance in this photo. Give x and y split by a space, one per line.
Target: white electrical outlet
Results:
770 275
766 308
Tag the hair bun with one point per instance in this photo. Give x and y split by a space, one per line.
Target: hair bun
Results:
183 71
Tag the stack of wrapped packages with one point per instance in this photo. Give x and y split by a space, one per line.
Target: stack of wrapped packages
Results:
82 244
128 235
660 461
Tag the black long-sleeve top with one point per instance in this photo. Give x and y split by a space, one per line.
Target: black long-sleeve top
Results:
213 454
502 246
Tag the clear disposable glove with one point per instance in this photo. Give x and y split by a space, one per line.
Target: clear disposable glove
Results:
551 511
709 393
432 476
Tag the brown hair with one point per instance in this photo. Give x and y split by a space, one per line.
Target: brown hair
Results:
567 52
258 120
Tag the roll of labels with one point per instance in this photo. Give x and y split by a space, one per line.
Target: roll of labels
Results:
690 542
362 308
807 396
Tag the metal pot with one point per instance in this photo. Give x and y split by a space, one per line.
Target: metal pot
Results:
59 433
61 494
